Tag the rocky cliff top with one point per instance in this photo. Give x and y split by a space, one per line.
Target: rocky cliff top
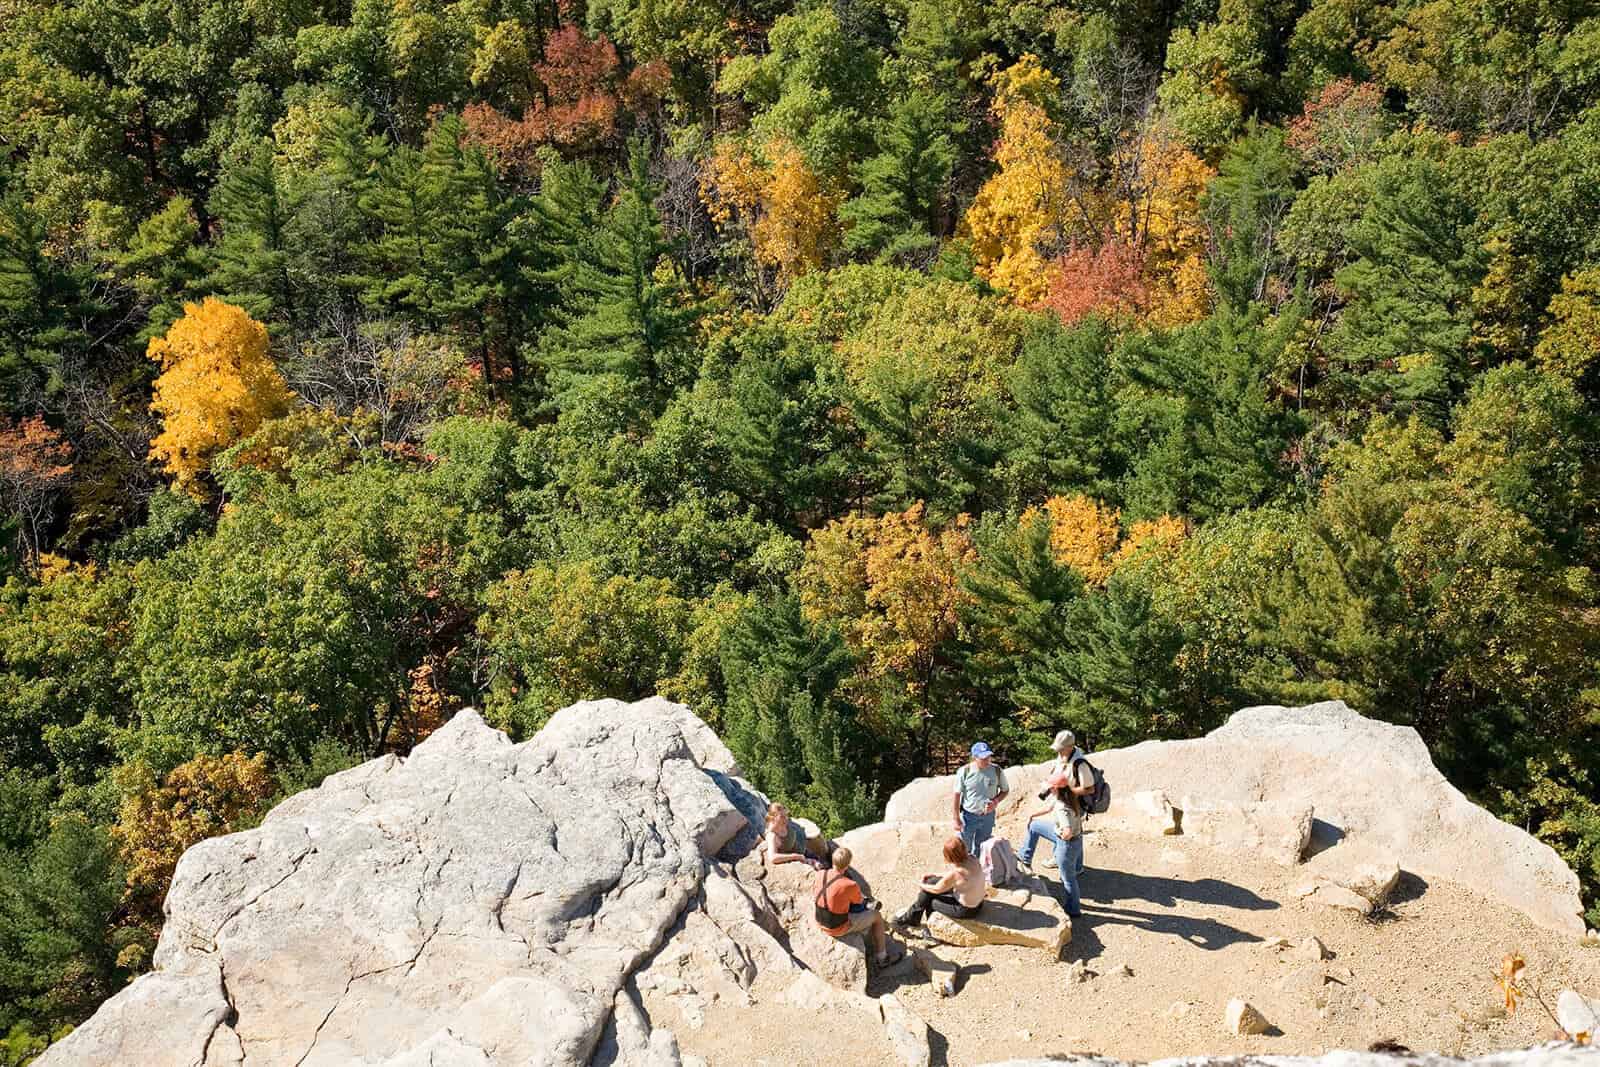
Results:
1370 787
593 896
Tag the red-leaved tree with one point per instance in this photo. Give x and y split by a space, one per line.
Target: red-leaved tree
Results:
1107 279
34 464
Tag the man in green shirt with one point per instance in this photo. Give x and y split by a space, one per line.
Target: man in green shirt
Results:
980 787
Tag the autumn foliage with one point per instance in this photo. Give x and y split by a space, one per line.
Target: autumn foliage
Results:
34 464
1025 204
579 93
791 215
1105 279
207 796
217 385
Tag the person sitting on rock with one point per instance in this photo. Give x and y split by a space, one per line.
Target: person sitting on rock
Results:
787 841
1063 789
842 909
958 892
980 787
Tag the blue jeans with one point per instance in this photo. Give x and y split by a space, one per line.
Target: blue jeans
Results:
975 829
1069 859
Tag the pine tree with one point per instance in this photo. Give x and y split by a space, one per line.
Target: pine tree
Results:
786 723
630 310
1063 439
902 187
259 257
1245 205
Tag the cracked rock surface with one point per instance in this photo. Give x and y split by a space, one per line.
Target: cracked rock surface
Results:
478 902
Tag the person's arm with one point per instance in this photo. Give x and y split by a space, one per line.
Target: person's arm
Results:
940 884
955 804
1080 790
1041 813
1004 790
775 855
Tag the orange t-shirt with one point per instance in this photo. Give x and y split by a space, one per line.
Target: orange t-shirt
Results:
841 892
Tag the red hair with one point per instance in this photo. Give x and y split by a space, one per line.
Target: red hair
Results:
955 850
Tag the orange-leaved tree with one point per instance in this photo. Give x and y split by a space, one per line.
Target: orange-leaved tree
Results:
893 586
217 385
35 462
207 796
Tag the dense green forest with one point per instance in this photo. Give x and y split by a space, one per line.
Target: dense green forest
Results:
869 375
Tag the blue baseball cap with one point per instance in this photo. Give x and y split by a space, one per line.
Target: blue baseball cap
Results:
980 750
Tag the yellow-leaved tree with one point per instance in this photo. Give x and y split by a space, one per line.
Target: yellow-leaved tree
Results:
893 586
207 796
1086 535
217 385
1025 204
788 211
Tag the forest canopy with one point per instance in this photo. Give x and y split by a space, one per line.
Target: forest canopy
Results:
871 376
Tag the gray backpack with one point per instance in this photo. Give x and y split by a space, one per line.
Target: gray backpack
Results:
1097 802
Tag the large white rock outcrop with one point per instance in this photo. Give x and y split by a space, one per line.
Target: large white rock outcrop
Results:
1372 791
478 903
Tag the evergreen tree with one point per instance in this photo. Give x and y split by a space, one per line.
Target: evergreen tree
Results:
1063 439
1404 338
902 187
629 310
1245 205
786 722
44 302
1210 435
260 255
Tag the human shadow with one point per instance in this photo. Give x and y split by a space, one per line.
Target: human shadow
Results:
1102 885
1209 934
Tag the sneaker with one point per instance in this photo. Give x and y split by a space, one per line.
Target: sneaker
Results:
903 920
1025 864
874 904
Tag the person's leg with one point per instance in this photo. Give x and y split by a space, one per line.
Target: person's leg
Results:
880 937
980 828
947 904
1038 829
969 827
1069 859
918 910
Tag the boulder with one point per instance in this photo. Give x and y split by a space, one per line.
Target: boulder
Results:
1275 830
1241 1018
1374 879
1312 949
1375 791
1025 914
1578 1014
476 895
1334 896
1145 812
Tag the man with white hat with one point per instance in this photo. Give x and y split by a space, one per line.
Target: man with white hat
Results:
980 787
1064 789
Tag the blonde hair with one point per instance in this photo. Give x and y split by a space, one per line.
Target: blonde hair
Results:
955 850
841 859
773 811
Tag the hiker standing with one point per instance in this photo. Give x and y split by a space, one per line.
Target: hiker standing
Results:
1069 782
980 787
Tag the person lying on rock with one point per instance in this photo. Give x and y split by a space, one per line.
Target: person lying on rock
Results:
787 841
980 787
1064 789
842 909
958 892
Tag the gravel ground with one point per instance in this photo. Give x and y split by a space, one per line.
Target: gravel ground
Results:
1172 930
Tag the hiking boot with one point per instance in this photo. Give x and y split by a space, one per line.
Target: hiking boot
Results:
903 920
